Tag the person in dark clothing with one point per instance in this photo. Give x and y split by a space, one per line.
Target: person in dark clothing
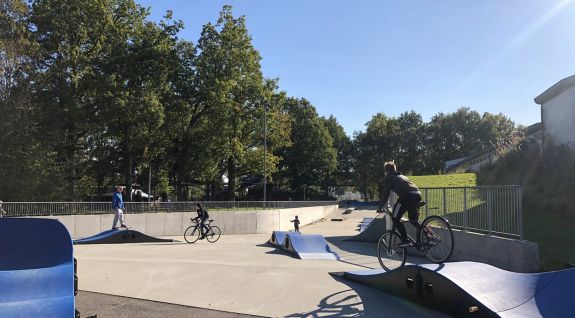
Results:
409 200
295 223
202 219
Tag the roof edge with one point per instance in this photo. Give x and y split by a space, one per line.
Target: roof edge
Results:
555 90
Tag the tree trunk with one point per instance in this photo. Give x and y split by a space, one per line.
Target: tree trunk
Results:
128 178
231 194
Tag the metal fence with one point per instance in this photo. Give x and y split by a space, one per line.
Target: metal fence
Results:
494 210
80 208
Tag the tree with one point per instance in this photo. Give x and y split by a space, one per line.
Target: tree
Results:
462 133
231 83
343 146
311 157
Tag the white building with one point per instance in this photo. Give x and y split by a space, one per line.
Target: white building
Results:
558 112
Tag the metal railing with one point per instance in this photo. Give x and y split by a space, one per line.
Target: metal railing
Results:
493 210
80 208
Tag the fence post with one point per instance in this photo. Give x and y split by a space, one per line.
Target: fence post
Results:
426 203
520 212
489 210
465 214
444 203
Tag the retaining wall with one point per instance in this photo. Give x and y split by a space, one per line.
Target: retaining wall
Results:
509 254
174 223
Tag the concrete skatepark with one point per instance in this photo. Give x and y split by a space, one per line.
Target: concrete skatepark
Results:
244 274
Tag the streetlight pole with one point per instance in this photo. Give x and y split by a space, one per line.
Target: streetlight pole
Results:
265 150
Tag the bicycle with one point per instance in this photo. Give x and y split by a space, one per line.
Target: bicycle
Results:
193 232
435 240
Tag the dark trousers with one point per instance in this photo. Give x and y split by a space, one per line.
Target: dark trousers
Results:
410 202
204 225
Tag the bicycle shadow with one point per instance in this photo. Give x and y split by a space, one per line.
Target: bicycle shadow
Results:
363 301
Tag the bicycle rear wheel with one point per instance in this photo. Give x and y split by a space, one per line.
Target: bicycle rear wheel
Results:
389 255
214 234
436 239
192 234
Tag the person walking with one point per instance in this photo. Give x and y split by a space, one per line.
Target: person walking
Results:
295 223
118 206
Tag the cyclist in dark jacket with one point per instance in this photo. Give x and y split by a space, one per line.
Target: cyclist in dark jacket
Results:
409 199
202 219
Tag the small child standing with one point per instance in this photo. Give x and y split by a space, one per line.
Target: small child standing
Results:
295 223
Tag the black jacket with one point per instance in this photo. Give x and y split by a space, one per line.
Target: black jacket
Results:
202 213
397 183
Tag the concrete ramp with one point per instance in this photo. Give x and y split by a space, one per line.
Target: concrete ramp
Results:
120 236
36 269
371 230
468 289
304 246
364 224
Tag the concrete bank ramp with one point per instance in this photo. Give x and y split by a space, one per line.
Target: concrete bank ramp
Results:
469 289
304 246
120 236
371 229
36 269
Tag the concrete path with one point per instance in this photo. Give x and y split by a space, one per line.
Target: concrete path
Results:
243 274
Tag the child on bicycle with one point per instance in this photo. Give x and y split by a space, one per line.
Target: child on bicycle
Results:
202 218
409 200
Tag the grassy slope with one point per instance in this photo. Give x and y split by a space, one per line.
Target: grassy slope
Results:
548 203
446 180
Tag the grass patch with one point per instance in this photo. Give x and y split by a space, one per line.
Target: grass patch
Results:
445 180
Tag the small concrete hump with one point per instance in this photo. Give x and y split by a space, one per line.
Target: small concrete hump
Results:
119 237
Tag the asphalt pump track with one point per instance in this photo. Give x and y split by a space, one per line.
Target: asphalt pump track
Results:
469 289
119 236
304 246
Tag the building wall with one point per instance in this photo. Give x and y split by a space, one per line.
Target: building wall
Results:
558 117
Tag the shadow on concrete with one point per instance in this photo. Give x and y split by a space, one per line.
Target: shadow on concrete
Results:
362 301
276 250
364 254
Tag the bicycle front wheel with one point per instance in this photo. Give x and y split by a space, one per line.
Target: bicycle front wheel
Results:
192 234
214 234
390 256
436 239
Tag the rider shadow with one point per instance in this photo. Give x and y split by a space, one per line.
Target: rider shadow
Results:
361 301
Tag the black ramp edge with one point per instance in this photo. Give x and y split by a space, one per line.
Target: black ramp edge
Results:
119 237
469 289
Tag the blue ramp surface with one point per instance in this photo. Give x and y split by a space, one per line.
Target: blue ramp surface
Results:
120 236
468 289
304 246
278 238
36 269
309 246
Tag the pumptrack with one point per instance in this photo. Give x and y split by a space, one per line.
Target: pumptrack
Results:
120 236
469 289
304 246
36 269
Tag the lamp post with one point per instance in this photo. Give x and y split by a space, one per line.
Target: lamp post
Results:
265 150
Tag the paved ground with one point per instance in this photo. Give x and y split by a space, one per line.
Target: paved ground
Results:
240 274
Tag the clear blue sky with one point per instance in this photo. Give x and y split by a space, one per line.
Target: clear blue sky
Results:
354 59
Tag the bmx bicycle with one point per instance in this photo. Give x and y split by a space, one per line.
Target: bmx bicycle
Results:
435 240
193 232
